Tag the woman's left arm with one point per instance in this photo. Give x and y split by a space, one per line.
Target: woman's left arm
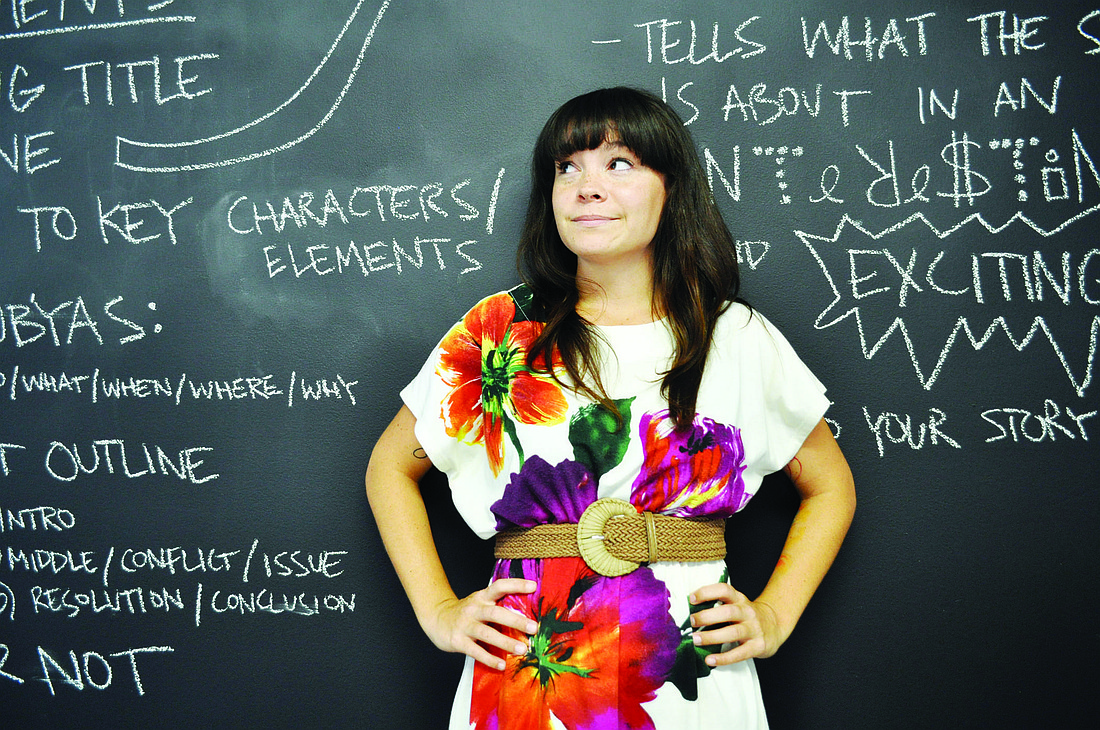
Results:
758 628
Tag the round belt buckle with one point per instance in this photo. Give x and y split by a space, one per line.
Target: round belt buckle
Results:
591 541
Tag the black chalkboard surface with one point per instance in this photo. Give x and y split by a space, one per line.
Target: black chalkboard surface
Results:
230 232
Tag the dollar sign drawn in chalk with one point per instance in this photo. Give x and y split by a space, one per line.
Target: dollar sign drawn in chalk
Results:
957 157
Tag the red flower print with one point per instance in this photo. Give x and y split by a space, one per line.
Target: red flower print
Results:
484 361
602 648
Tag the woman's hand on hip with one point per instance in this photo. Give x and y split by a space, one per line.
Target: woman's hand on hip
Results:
469 625
751 626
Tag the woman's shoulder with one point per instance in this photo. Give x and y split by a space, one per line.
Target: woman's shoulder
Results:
742 326
740 317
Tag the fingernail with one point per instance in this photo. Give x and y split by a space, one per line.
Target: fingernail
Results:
711 661
691 598
500 665
697 639
532 627
521 648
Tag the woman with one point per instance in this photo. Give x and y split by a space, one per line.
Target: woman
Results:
623 368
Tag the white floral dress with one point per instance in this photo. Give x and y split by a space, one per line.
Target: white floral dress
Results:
519 450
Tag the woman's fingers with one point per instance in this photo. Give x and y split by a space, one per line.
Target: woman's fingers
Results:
731 618
498 589
504 616
723 592
485 638
472 625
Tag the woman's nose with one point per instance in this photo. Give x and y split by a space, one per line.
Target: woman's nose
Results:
590 187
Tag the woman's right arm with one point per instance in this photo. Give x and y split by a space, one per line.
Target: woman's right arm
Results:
397 464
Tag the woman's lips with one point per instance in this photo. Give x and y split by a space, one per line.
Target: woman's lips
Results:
590 221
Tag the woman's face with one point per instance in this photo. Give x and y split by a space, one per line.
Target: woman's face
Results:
607 205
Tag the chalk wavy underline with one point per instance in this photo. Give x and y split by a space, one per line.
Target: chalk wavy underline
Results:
98 26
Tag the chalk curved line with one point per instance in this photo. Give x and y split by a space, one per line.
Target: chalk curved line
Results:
7 607
127 147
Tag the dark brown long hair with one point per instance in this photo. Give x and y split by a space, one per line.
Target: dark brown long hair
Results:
695 273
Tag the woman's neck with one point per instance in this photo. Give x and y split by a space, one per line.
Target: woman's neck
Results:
616 296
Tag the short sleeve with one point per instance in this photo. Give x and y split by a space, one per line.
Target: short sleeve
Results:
431 397
423 396
796 399
756 376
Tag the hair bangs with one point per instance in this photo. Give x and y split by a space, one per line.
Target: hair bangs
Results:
607 115
574 135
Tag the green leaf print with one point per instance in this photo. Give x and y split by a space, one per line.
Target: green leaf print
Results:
524 300
599 442
510 429
691 663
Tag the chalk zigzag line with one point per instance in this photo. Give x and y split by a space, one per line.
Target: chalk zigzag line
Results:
962 324
128 147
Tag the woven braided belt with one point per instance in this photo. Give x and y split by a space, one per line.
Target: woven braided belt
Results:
614 539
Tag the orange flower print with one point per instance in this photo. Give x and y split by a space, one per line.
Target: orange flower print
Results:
484 362
602 649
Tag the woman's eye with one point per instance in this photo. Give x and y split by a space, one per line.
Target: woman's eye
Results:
566 166
621 163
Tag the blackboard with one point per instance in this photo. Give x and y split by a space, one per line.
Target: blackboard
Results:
230 233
